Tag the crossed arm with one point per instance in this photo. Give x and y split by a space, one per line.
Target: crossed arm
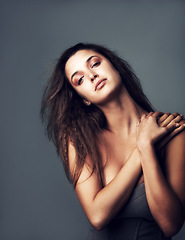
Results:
165 194
101 204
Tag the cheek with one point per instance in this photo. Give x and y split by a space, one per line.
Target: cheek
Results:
83 91
112 71
115 75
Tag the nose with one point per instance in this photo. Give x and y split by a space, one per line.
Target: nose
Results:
93 76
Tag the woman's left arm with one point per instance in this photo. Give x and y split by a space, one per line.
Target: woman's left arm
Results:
175 166
165 194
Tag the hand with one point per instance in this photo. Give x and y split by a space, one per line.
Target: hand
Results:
149 132
163 119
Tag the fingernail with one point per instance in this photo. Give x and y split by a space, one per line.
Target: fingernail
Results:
177 124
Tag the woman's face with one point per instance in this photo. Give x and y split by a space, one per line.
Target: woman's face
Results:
93 76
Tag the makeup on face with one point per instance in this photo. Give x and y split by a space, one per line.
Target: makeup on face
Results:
92 62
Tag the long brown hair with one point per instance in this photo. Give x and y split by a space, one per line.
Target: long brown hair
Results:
67 118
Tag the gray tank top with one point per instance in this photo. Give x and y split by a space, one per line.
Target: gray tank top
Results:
133 222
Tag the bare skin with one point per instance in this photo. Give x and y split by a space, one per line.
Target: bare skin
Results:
129 150
159 188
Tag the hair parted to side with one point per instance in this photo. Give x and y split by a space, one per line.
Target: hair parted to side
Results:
67 118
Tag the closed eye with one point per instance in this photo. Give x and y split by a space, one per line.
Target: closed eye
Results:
80 80
95 64
77 80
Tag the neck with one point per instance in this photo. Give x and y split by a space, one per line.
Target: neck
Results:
122 114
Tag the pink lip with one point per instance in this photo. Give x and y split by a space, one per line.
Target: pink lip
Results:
99 82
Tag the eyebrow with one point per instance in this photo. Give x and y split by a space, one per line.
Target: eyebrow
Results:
86 62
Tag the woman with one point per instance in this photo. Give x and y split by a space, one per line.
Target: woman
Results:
126 162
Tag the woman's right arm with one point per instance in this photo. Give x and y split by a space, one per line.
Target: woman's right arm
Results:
101 204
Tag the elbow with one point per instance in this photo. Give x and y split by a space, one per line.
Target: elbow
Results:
170 232
173 228
97 226
98 222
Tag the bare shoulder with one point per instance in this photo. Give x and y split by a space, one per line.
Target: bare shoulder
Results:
175 164
72 160
74 164
85 168
175 149
178 142
71 155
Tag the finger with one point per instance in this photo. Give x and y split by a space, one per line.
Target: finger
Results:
172 118
178 118
146 115
175 114
150 114
157 114
178 130
163 117
143 117
168 137
172 127
166 131
167 121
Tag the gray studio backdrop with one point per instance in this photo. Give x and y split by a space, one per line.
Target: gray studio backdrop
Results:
37 202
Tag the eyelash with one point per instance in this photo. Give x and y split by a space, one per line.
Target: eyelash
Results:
95 64
80 80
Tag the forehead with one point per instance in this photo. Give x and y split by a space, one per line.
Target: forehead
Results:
78 60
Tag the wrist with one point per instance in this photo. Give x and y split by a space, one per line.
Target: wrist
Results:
145 146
